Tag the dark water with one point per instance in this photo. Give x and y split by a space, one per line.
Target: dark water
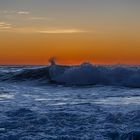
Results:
33 106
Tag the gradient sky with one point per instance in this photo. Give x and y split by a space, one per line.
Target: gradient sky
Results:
73 31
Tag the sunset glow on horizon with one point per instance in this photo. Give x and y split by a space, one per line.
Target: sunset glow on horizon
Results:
74 31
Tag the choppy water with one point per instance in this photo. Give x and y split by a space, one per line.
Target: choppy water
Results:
31 110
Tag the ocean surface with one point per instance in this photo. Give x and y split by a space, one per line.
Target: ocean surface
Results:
57 102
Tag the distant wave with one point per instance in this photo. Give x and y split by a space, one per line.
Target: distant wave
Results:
84 74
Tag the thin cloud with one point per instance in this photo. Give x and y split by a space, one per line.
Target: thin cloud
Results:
4 25
16 12
23 12
25 30
61 31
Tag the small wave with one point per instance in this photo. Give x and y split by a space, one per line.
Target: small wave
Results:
84 74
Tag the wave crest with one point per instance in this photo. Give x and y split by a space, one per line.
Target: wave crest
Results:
84 74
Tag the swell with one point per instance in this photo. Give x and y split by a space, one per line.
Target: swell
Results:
26 75
84 74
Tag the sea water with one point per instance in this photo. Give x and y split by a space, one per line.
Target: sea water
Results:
33 108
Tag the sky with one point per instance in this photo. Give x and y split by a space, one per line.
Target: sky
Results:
72 31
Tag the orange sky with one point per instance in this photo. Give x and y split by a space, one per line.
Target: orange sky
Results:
102 35
70 48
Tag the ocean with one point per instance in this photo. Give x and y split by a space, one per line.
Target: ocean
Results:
57 102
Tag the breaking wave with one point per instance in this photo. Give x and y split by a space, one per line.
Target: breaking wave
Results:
84 74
